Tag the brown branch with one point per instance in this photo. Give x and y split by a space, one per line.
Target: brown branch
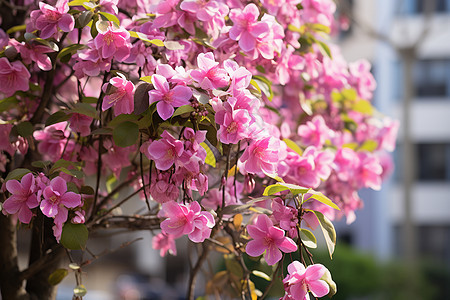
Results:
194 271
132 223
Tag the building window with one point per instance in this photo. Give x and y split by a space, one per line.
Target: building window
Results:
431 79
411 7
432 162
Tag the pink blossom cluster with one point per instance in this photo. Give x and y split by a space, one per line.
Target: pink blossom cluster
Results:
51 196
222 101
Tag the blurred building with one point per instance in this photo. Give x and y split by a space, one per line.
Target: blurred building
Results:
380 29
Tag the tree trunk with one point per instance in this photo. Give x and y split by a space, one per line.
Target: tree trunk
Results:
10 284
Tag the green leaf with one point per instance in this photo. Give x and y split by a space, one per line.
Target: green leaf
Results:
349 94
16 28
74 236
308 238
173 45
84 18
364 107
144 37
141 98
282 186
147 79
70 50
25 129
352 146
260 69
210 158
57 117
89 99
41 163
7 103
369 145
319 27
17 174
85 109
122 118
262 275
111 181
292 145
62 163
325 49
80 290
87 190
57 276
182 110
234 267
296 29
110 17
126 134
327 278
321 198
328 231
265 85
77 2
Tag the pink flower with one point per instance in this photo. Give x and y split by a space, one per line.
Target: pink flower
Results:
315 132
80 123
186 219
5 144
269 238
262 156
168 98
79 217
120 94
13 76
57 199
166 151
35 53
204 10
234 124
48 19
52 140
23 197
112 41
369 172
209 75
166 13
164 243
162 190
300 281
246 28
286 216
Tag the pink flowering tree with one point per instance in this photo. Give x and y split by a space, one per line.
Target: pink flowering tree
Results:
238 125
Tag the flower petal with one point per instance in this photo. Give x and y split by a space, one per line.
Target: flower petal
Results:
273 255
315 272
319 288
59 185
255 248
71 200
165 110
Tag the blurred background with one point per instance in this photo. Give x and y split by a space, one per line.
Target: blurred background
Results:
399 245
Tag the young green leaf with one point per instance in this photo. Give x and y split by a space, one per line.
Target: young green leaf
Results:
17 174
308 238
328 231
293 146
210 158
322 198
57 276
74 236
126 134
